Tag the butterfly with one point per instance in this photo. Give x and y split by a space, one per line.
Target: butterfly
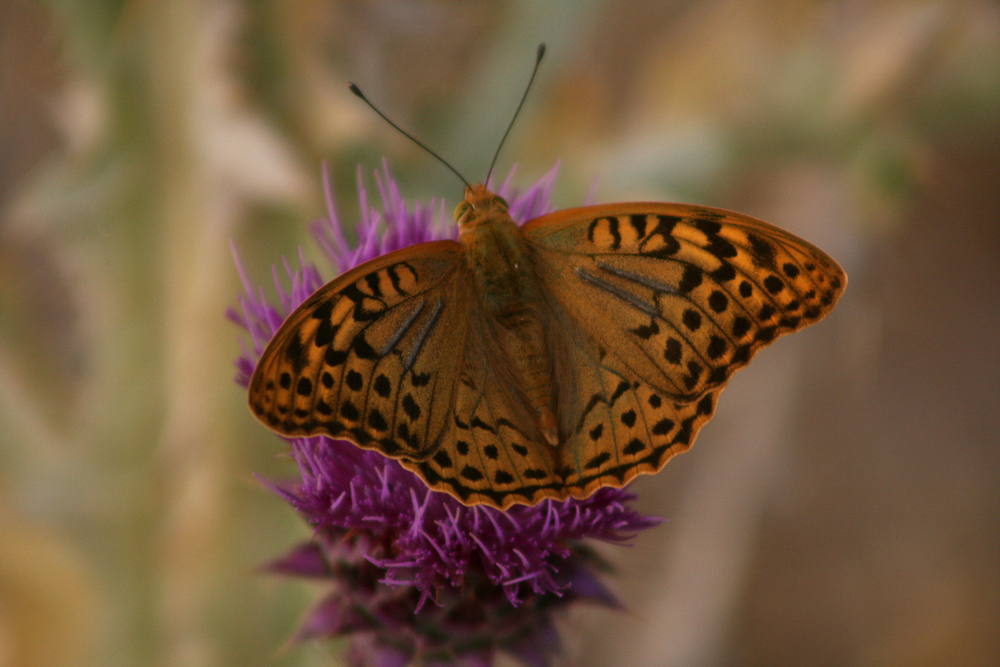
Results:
548 360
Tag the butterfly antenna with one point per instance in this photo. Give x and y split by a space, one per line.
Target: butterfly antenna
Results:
357 91
538 61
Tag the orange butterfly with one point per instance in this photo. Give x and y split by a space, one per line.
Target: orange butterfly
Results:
545 361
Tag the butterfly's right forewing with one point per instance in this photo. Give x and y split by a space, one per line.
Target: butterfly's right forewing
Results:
683 295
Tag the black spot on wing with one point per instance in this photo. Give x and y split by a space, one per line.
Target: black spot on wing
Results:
634 447
616 236
295 353
672 353
377 421
324 333
717 347
741 326
762 250
774 284
411 408
471 474
324 311
691 319
724 273
694 374
691 278
349 411
442 459
638 222
382 386
720 247
393 272
335 357
623 386
708 227
374 284
597 461
363 349
646 332
479 423
354 380
663 427
663 231
718 301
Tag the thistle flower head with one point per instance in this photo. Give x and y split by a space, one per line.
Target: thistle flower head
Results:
415 571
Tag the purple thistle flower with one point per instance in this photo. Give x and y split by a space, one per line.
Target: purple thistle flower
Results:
392 545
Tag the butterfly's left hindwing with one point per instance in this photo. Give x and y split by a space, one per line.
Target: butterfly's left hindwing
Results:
491 452
361 358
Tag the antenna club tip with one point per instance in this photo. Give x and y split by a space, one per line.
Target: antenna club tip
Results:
351 86
541 51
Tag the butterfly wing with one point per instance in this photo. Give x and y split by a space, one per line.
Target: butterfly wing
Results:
362 357
493 452
394 355
661 303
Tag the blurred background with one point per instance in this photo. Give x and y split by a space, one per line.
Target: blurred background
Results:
841 509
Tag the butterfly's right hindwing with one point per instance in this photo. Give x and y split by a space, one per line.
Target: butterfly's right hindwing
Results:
363 358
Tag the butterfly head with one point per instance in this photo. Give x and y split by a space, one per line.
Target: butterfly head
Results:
479 206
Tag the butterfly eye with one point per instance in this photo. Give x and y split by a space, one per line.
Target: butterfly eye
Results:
460 210
503 201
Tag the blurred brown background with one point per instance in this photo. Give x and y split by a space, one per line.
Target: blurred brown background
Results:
842 508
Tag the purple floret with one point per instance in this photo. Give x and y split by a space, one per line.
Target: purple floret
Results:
434 538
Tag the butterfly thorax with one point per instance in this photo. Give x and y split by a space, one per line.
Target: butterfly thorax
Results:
508 292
